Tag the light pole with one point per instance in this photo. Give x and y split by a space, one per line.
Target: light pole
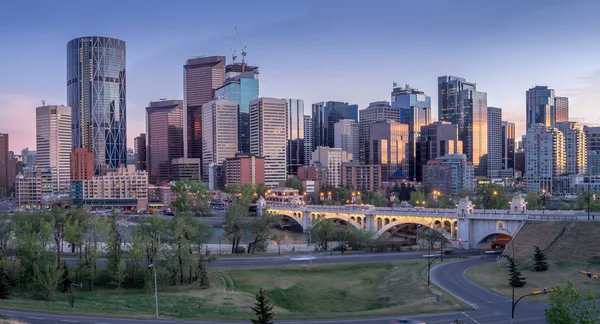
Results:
155 288
512 303
309 248
418 226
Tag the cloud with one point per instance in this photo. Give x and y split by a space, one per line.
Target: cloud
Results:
17 113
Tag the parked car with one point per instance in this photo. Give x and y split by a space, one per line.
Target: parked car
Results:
407 321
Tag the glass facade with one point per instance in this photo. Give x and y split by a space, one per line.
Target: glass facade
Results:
295 135
96 92
540 106
448 100
164 129
325 115
508 146
473 129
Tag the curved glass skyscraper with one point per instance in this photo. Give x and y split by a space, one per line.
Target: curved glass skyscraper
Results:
96 95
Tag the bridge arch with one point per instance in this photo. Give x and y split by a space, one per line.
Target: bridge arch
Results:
428 222
358 221
295 215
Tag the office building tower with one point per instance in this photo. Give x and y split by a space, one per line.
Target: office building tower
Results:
4 188
449 103
164 134
241 86
130 156
545 158
53 145
308 139
450 174
219 133
376 112
415 110
561 106
12 170
325 115
28 191
82 164
574 146
388 146
268 125
346 137
245 168
29 157
330 161
96 92
25 155
435 140
540 106
139 147
366 177
593 163
592 138
295 135
494 139
186 169
508 150
201 77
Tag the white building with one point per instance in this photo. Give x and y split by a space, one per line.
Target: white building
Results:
345 136
219 133
331 159
545 158
53 145
268 138
575 150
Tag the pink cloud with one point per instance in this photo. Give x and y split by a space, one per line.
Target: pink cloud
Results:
17 118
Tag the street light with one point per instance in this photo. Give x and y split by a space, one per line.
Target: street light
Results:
155 288
309 249
418 226
513 304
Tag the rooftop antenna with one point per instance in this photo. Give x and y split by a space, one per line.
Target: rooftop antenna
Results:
44 103
243 49
163 99
233 56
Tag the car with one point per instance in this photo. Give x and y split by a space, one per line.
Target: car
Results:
302 258
407 321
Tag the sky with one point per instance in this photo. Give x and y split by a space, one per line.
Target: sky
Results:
339 50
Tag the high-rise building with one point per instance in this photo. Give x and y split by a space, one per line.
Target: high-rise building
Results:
219 133
201 77
308 139
593 163
325 115
29 190
449 174
186 169
574 146
561 106
241 87
494 139
346 137
545 158
508 149
4 188
330 159
82 164
96 92
388 146
295 135
540 106
130 156
376 112
592 138
366 177
139 147
435 140
449 104
12 170
245 168
164 134
53 145
268 125
29 157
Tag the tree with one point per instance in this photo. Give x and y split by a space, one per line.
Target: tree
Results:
191 196
432 236
5 286
417 198
203 279
277 237
115 251
490 196
58 220
66 280
263 309
376 199
259 231
344 235
88 264
295 183
46 280
567 306
514 274
533 200
540 260
71 297
236 216
322 233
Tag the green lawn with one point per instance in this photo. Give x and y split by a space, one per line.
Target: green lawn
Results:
323 291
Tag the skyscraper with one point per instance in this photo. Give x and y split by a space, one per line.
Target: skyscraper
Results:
346 137
4 188
435 140
508 149
139 147
96 92
540 106
295 135
592 138
449 104
268 125
415 110
53 146
376 112
561 106
494 156
219 133
325 115
308 139
545 158
330 160
201 77
574 147
240 86
388 146
164 134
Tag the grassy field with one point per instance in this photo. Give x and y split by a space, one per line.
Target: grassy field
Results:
323 291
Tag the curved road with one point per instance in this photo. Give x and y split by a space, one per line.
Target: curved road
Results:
489 308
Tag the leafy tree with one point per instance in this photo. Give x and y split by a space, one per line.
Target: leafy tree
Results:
66 280
417 198
236 215
514 274
432 236
115 251
259 231
46 280
582 201
149 233
203 279
540 260
263 309
441 201
277 237
322 233
568 306
191 196
295 183
533 200
57 220
5 286
344 235
182 231
376 199
6 233
491 196
88 264
71 297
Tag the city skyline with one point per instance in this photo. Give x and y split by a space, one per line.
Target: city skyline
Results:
505 63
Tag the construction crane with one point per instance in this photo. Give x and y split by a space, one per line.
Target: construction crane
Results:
233 56
243 49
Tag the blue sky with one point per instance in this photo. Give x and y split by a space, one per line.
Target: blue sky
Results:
342 50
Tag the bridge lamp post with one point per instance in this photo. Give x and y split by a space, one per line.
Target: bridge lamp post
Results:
418 226
155 288
513 304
